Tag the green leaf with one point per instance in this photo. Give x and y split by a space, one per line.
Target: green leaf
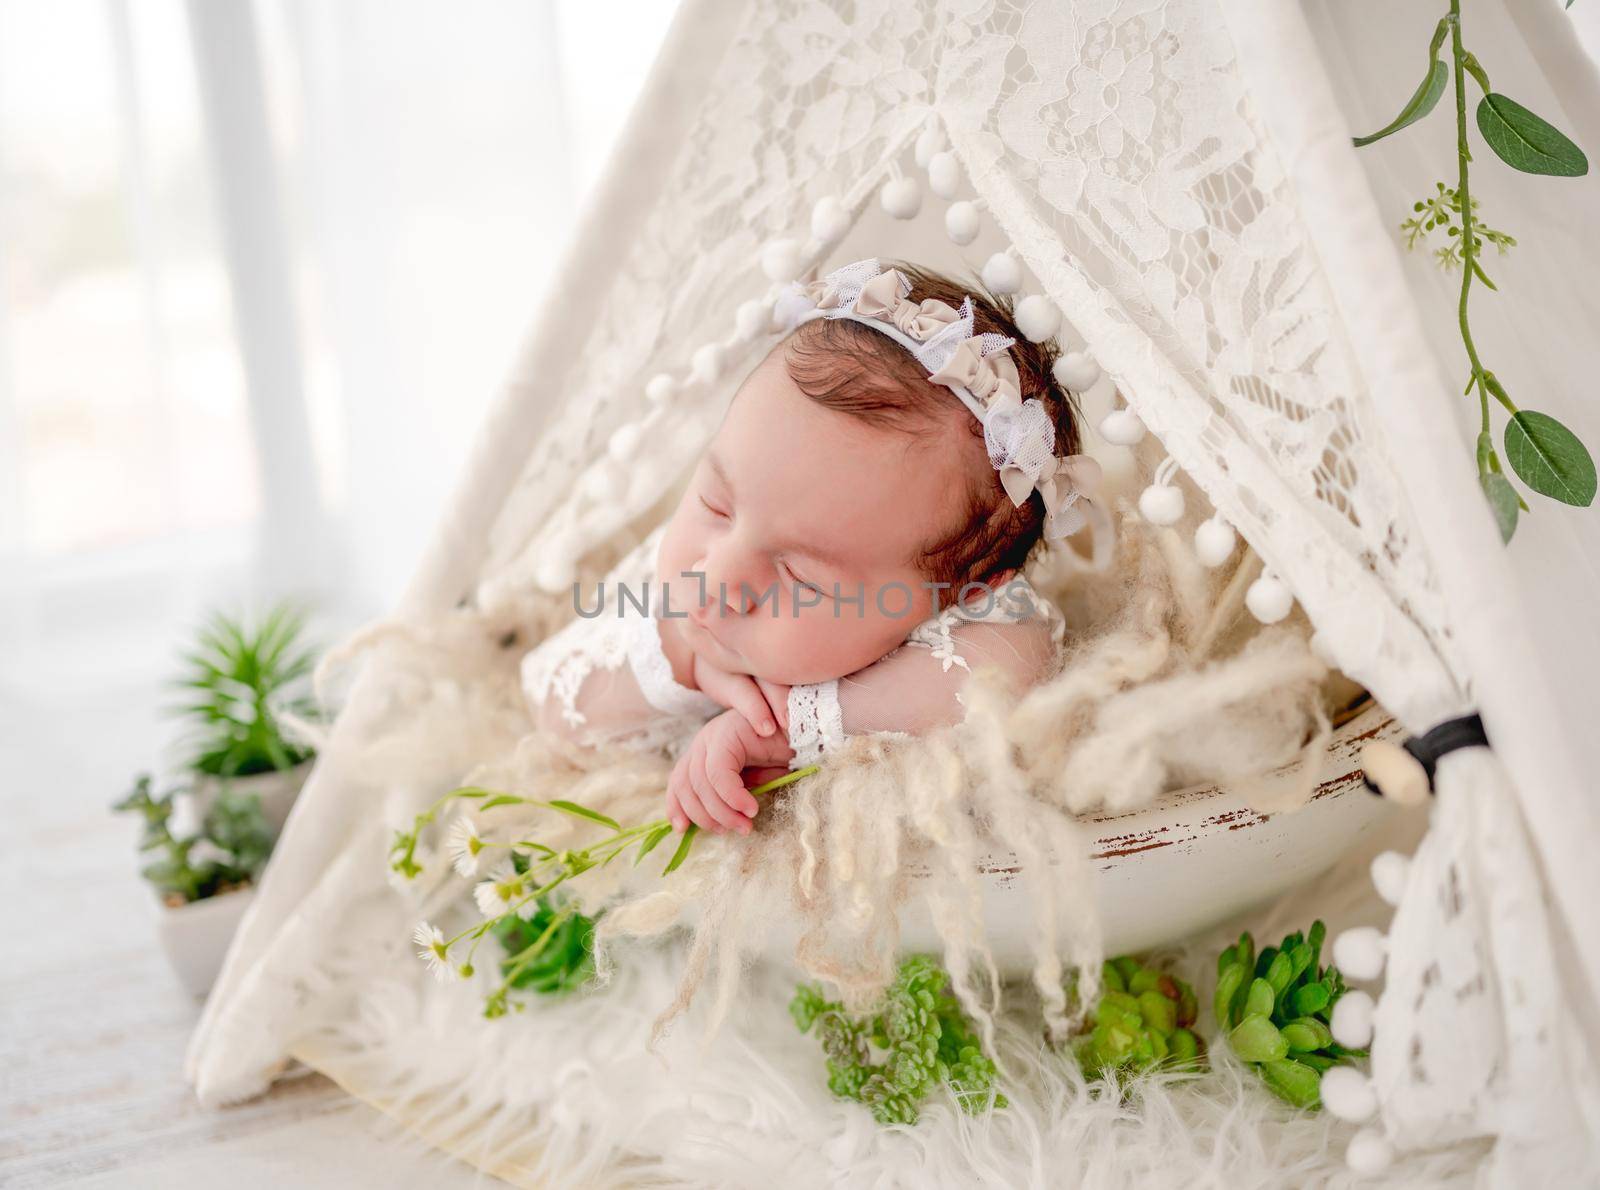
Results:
1527 142
1549 458
1312 997
1158 1012
1256 1039
682 853
504 799
1227 984
1143 980
1246 950
1486 456
650 841
1419 105
1502 502
1306 1034
1293 1082
1185 1047
578 811
1498 392
1279 971
1227 957
1473 67
1259 1000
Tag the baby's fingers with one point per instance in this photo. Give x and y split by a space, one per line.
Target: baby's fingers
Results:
730 789
745 697
695 809
705 787
683 804
675 814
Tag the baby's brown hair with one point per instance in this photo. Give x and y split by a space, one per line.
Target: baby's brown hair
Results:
852 369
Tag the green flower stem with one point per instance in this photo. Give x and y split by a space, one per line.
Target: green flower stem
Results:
1465 63
1468 252
546 869
474 931
405 844
534 949
566 864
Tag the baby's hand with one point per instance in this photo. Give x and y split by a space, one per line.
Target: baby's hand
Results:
763 704
707 784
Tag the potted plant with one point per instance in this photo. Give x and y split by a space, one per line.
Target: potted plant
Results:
240 679
204 878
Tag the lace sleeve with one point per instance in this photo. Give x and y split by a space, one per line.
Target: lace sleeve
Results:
653 672
605 678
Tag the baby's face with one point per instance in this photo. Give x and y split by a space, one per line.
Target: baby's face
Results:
792 500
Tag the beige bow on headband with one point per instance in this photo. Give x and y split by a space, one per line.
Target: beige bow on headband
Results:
992 378
881 298
945 342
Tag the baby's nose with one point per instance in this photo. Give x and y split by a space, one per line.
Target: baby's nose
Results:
725 593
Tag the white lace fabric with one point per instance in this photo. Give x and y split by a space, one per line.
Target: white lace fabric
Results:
619 635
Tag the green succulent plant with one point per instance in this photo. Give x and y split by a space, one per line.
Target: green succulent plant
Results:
925 1036
1144 1018
234 675
235 832
1274 1010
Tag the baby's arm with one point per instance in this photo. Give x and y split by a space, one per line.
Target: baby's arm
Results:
914 689
605 678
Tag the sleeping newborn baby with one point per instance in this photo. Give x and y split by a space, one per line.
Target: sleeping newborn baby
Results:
851 545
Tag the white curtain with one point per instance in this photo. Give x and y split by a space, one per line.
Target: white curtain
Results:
261 266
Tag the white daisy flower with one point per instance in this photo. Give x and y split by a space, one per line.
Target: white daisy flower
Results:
432 950
465 846
499 892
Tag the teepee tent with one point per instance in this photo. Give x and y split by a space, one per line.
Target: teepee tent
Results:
1178 178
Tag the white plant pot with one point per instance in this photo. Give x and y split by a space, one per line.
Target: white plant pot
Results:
277 791
196 936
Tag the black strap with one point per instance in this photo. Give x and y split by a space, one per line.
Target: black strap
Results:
1437 742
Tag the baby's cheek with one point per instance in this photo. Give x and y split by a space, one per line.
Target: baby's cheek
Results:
818 646
677 555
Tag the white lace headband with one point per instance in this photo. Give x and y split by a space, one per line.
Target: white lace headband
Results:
978 368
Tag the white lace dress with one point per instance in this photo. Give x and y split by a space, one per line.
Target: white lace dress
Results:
617 627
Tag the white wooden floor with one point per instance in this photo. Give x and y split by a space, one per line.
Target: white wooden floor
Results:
92 1023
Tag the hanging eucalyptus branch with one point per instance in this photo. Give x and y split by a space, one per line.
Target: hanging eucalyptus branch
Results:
1543 453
